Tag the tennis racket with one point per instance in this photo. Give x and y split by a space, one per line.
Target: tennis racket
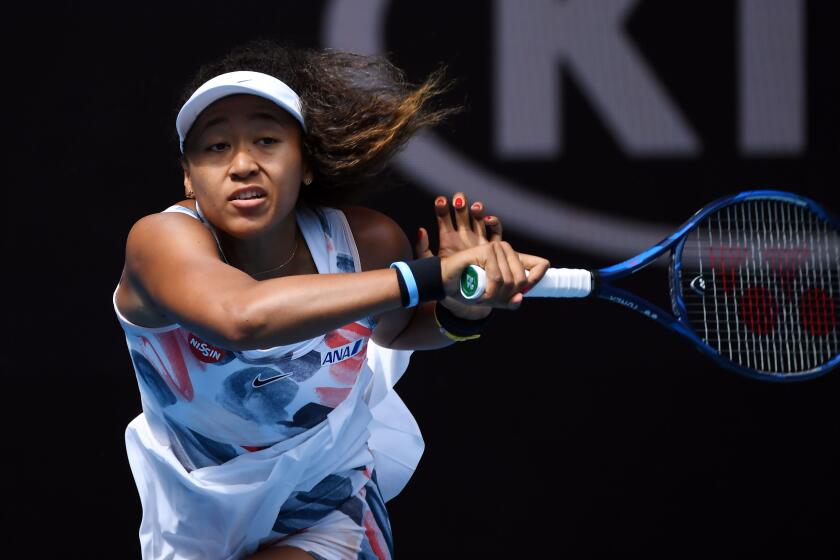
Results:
754 284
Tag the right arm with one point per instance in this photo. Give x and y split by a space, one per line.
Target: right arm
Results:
172 262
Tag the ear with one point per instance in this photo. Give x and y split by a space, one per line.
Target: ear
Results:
188 189
308 172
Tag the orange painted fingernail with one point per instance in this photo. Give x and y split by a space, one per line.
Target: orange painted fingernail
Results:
476 206
488 218
459 202
440 201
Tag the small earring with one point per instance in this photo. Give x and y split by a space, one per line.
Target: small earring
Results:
307 181
190 194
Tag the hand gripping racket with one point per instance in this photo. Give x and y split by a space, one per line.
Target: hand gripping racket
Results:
754 281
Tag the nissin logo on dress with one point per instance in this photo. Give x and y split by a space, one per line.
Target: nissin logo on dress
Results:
207 353
342 352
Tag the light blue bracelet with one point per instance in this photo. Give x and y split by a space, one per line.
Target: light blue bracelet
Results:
410 284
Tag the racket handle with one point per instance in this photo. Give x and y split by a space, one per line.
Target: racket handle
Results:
557 283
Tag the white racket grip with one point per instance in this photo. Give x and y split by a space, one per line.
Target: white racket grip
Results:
563 283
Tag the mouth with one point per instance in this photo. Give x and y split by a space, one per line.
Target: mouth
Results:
248 193
248 198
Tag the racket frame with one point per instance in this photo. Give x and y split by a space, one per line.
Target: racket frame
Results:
678 321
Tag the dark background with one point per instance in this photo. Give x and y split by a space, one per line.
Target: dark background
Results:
570 427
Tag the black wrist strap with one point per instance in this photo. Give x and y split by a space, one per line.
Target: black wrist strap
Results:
458 326
427 275
419 280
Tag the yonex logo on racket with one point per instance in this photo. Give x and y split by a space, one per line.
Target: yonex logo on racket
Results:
698 284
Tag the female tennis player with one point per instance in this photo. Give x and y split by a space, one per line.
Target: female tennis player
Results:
267 327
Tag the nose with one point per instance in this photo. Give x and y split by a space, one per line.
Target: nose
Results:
243 163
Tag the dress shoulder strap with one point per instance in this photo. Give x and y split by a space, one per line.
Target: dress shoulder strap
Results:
347 254
200 217
184 210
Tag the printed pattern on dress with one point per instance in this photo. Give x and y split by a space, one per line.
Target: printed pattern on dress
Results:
343 514
270 395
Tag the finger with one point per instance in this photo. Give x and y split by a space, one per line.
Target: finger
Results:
536 267
519 277
494 277
494 228
477 220
462 216
444 220
520 280
421 247
506 290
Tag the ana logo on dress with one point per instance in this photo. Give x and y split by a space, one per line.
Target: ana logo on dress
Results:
205 352
341 353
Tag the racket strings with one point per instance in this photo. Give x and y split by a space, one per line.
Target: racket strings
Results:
760 282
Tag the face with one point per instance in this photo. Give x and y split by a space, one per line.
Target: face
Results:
239 147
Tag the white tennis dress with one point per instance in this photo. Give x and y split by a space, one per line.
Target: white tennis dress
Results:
229 440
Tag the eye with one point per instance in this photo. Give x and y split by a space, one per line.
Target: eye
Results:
220 145
268 141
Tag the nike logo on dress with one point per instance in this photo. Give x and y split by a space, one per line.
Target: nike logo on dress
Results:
259 381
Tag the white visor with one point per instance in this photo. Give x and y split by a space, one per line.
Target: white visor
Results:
223 85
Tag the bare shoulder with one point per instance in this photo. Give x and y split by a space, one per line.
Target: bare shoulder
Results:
379 239
167 231
152 240
165 243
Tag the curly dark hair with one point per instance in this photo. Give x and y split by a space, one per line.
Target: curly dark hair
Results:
359 111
